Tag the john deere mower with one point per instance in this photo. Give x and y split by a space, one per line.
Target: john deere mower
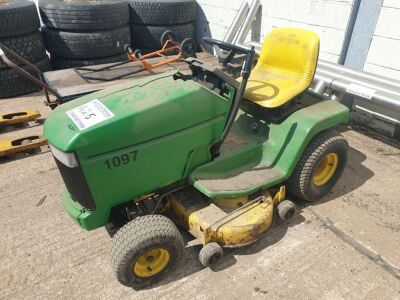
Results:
205 152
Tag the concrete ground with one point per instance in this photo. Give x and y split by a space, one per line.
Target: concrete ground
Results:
346 246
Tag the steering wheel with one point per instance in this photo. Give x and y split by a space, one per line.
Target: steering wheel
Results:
234 49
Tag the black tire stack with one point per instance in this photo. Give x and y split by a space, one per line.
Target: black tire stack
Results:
149 19
84 33
19 31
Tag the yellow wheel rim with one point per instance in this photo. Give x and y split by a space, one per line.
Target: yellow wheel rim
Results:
325 169
151 263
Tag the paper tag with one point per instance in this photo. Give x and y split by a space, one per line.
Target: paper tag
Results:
90 114
360 91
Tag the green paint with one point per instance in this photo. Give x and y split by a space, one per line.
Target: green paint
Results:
165 121
168 126
278 146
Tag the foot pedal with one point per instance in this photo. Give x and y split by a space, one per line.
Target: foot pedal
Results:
25 144
19 117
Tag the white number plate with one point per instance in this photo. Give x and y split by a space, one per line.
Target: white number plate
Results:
89 114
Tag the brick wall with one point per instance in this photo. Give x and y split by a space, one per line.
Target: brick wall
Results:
384 53
328 18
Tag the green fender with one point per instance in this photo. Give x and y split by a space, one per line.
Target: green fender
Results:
278 148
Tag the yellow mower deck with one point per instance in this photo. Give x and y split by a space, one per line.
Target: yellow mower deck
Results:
25 144
233 222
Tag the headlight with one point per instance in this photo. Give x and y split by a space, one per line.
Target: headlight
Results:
67 159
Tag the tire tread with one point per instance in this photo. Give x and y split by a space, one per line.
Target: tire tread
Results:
300 180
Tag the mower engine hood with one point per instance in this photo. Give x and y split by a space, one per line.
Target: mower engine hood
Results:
142 110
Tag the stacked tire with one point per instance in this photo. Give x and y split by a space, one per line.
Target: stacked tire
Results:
84 33
19 32
149 19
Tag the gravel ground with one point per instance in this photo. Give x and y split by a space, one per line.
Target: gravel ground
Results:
345 246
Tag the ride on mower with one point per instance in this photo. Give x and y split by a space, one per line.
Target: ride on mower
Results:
203 151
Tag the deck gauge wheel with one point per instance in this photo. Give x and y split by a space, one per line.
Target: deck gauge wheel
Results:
210 254
286 210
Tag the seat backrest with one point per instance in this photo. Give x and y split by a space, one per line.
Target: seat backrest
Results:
292 50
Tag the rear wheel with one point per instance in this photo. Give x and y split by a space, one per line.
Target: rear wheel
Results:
146 250
320 167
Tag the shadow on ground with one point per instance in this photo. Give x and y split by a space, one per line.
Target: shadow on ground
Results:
191 264
354 176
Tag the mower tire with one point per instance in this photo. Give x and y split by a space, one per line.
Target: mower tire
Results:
84 16
59 63
18 17
14 84
148 36
88 44
30 46
286 210
146 250
162 12
210 254
320 167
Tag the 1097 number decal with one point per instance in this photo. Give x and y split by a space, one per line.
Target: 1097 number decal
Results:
118 161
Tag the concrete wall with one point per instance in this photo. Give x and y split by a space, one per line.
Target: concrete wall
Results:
384 53
328 18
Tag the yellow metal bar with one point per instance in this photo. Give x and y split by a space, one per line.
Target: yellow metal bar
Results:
19 117
24 144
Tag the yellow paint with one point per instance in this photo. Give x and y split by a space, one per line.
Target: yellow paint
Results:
230 204
286 67
325 169
220 223
280 195
8 147
19 117
151 263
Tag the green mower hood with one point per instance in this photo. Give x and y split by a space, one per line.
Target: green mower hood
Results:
130 114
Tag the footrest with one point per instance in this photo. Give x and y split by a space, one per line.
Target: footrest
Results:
241 183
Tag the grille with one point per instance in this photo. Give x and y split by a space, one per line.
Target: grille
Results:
76 185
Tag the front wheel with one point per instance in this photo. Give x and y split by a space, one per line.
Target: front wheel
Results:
188 48
146 250
320 167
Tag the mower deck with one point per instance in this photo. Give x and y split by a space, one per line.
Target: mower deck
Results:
240 224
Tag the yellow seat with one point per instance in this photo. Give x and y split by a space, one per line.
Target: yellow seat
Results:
285 68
